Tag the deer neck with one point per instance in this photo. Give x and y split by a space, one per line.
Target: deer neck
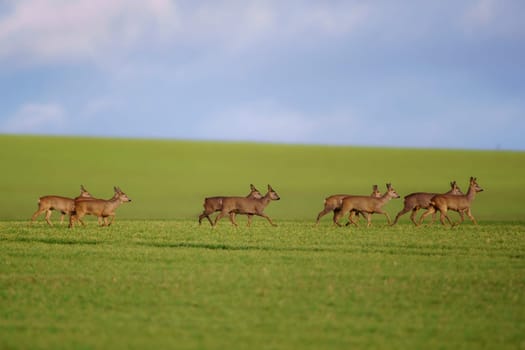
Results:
385 198
113 203
471 193
265 200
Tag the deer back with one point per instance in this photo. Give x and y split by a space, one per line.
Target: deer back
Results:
336 201
243 205
457 202
63 204
367 203
215 203
101 207
423 199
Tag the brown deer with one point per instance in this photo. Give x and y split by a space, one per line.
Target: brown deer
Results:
366 204
334 202
64 205
101 208
247 206
213 204
421 200
459 203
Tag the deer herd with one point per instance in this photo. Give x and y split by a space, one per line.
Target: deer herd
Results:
78 207
254 204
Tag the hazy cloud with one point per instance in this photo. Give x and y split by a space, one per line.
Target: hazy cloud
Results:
91 30
43 30
406 73
36 118
270 122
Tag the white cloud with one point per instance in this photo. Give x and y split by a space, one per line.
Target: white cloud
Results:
93 30
36 118
84 29
245 24
481 11
494 18
269 122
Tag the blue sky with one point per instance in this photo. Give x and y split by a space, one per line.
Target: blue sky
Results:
445 74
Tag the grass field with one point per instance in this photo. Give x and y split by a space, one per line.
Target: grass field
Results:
157 279
168 179
160 284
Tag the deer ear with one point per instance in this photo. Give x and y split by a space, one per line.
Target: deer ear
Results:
269 187
252 187
374 187
115 189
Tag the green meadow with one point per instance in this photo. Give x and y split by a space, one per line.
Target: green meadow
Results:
169 179
156 279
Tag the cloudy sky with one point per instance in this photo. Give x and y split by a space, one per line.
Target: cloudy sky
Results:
447 73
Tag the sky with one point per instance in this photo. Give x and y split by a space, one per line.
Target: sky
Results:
420 73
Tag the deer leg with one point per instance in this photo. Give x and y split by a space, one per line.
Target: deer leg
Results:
267 218
379 211
36 214
350 218
322 213
430 210
232 218
250 217
206 215
202 216
111 218
403 212
434 212
356 214
48 215
218 217
387 217
443 215
72 219
461 216
469 214
369 219
337 217
413 216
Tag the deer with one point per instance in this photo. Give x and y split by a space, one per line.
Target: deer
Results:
366 204
459 203
213 204
421 200
247 206
334 202
101 208
64 205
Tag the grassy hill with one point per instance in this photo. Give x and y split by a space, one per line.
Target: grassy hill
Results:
150 283
169 179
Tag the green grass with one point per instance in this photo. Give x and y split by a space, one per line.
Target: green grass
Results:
173 284
155 279
169 179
